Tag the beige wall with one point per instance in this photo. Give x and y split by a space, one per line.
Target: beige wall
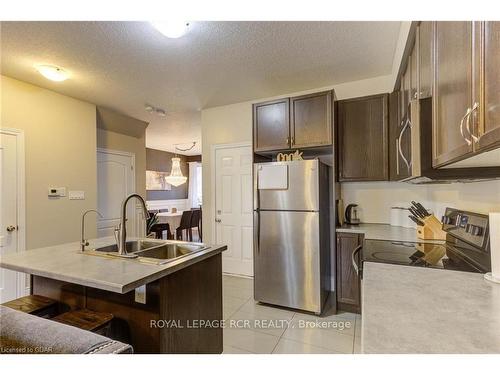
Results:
60 144
233 124
376 198
120 142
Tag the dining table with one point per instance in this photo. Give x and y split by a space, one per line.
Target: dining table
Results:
173 219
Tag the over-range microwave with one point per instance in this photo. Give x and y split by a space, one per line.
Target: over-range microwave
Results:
414 151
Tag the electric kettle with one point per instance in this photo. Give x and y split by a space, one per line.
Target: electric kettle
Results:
351 214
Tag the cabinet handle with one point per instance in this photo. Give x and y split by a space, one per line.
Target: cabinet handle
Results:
400 148
476 106
293 141
287 140
397 156
462 126
353 258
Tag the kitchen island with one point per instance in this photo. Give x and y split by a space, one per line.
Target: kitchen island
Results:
170 308
423 310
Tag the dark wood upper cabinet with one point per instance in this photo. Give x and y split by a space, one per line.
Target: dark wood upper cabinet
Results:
363 138
414 71
311 120
271 129
291 123
348 282
453 91
488 129
405 88
425 71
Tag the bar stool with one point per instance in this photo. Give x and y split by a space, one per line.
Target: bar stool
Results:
41 306
97 322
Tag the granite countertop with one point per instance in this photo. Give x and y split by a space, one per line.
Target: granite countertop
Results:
381 232
422 310
66 263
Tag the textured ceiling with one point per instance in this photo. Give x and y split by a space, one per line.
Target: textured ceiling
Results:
123 65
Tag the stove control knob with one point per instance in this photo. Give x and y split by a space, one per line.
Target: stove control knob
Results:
446 219
477 231
474 230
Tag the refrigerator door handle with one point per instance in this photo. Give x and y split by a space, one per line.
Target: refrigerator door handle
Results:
353 259
256 231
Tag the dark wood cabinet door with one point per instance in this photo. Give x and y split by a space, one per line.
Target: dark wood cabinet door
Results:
348 282
453 91
363 139
311 120
425 70
394 120
406 83
489 129
414 71
271 129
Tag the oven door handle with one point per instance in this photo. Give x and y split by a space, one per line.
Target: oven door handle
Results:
353 258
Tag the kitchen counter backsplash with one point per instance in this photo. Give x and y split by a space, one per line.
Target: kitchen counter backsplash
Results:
381 232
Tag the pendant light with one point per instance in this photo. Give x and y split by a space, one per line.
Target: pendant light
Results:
176 178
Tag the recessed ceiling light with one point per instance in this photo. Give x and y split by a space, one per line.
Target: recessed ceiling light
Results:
171 29
149 108
54 73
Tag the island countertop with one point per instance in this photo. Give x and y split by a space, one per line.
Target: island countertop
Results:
66 263
422 310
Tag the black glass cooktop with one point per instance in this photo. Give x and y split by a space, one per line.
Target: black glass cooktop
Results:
430 255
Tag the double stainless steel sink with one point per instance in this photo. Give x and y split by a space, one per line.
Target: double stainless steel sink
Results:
154 252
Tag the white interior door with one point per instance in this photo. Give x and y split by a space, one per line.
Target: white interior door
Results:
233 208
11 286
115 180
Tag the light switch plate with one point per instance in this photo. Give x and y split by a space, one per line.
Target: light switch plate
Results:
76 195
140 294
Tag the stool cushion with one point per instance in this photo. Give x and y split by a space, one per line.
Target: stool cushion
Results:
24 333
84 319
30 304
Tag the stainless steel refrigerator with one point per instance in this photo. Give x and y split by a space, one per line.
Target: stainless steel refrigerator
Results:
292 234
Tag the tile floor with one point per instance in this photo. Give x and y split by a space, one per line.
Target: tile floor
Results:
252 328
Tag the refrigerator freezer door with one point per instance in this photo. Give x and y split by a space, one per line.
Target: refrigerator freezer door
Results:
302 193
286 256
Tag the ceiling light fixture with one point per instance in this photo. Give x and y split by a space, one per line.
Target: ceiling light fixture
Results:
176 178
160 112
171 29
149 108
52 72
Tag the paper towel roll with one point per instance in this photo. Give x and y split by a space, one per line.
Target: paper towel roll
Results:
495 244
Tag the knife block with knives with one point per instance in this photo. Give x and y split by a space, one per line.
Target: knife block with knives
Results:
429 227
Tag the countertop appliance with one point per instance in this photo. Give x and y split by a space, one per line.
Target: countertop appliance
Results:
414 151
351 214
466 247
292 234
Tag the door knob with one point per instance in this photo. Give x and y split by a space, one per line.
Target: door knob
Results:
11 228
218 220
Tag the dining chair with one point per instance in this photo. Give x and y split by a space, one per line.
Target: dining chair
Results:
195 222
185 225
158 229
